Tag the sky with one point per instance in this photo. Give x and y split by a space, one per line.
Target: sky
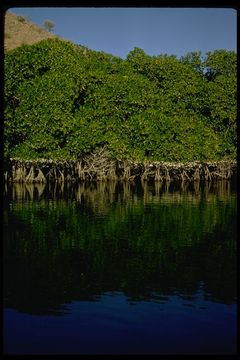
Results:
172 31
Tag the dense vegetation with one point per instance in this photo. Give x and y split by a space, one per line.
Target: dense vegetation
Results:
63 101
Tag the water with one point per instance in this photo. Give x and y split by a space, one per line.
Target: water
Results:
114 268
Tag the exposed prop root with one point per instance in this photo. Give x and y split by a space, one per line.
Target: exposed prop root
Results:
100 166
40 177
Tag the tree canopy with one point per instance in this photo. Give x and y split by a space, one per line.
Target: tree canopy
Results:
64 100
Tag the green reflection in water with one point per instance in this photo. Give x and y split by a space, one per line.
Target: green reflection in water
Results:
77 242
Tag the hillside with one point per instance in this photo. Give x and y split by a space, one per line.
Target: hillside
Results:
19 30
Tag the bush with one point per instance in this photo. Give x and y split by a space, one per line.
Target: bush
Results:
23 18
49 25
63 100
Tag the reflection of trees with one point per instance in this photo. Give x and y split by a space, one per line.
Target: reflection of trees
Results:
109 237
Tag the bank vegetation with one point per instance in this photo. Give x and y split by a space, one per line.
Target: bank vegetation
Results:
71 113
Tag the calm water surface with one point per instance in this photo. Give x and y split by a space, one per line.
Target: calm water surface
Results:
114 268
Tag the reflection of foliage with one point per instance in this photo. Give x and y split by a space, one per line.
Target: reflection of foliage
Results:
70 251
63 100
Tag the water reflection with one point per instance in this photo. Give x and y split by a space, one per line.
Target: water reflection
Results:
66 243
108 192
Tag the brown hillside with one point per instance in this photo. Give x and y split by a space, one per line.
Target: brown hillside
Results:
18 30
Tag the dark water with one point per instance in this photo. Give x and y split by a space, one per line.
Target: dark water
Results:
120 269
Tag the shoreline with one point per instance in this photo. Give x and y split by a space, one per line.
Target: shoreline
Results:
95 167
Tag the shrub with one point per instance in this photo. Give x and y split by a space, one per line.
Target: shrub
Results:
63 100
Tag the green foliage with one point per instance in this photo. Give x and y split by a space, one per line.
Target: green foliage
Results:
195 60
64 100
220 62
222 97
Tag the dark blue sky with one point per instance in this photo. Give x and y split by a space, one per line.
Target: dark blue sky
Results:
155 30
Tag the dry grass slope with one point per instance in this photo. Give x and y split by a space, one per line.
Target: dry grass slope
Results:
18 31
